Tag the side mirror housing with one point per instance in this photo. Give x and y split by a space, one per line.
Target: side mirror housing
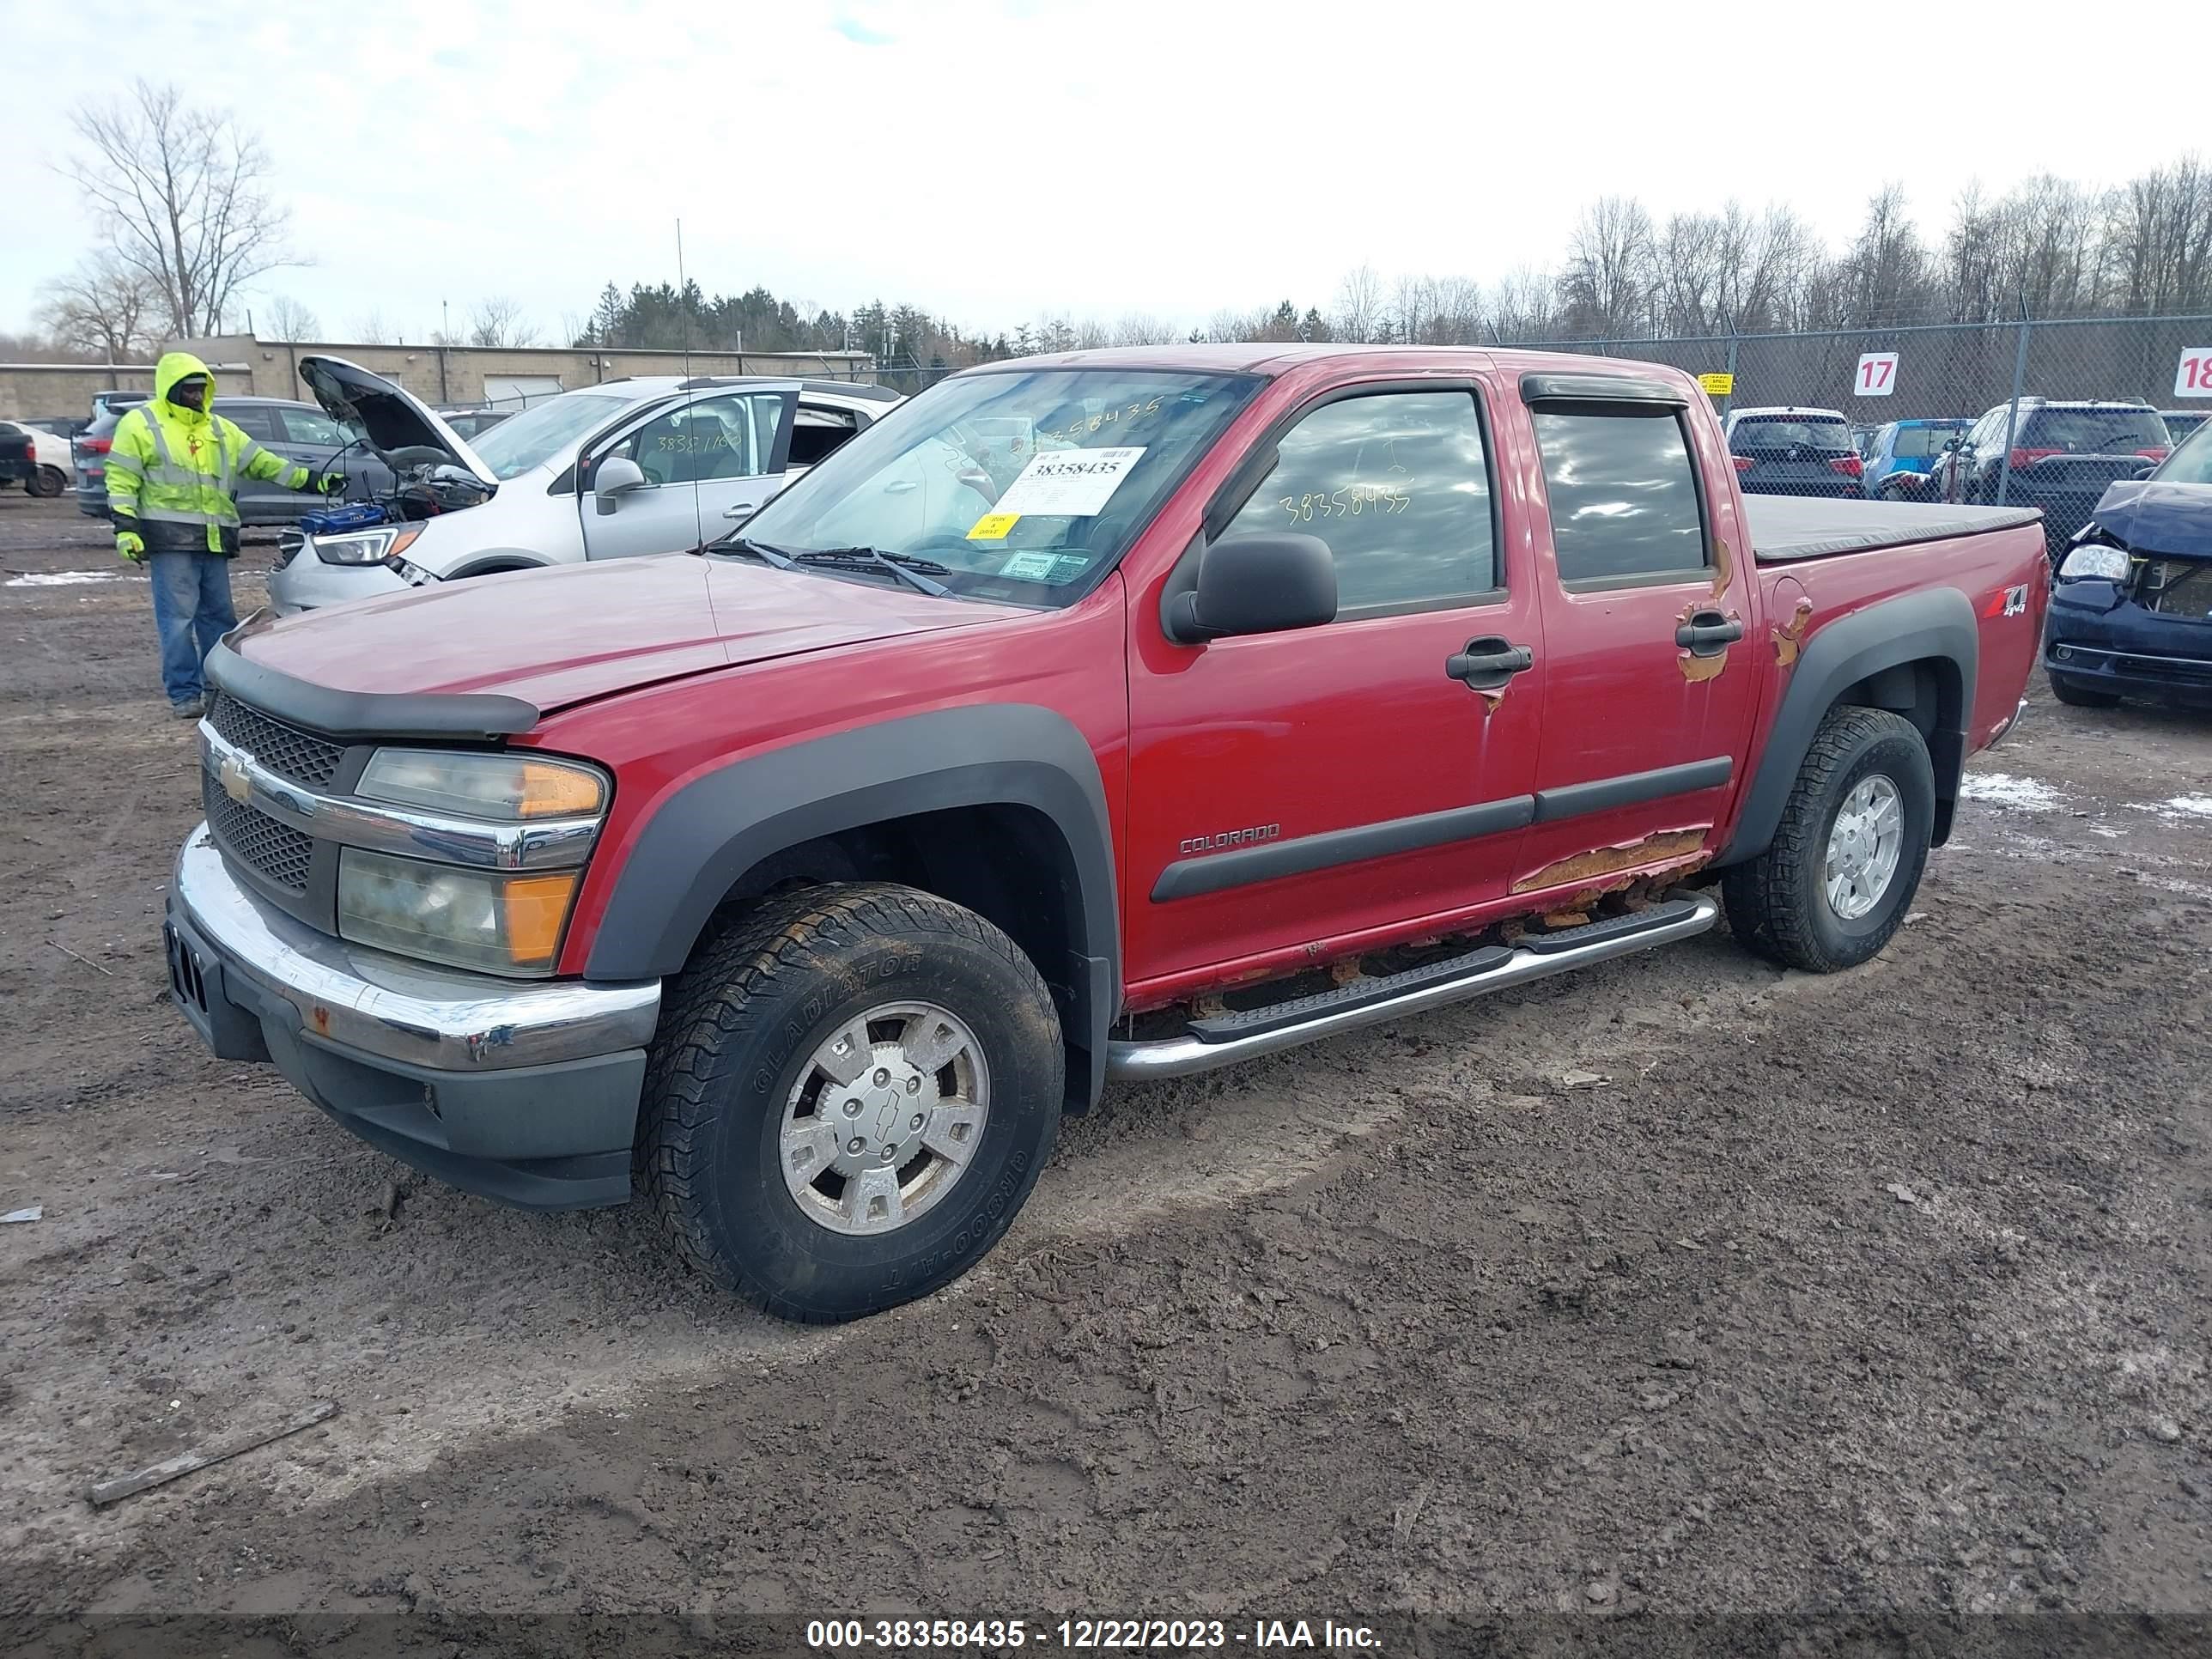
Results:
614 478
1261 583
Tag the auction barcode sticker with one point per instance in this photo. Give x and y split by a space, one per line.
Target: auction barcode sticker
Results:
1068 483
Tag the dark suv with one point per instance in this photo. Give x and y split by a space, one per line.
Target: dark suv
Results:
1794 451
298 432
2063 456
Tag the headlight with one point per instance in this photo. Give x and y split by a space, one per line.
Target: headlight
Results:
510 787
376 546
501 924
2095 559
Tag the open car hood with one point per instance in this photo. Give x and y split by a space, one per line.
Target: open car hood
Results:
394 418
2147 516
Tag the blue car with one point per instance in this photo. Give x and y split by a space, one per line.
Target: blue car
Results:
1902 449
2131 611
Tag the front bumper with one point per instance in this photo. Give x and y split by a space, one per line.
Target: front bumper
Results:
304 582
525 1093
2124 650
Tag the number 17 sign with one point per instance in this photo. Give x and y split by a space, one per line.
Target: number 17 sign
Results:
1877 375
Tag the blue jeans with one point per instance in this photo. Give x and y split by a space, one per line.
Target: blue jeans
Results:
192 610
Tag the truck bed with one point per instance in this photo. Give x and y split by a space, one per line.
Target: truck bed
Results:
1785 528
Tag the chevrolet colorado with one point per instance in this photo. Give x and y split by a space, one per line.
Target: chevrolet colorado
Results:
1208 701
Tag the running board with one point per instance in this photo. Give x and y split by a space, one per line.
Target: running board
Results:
1231 1039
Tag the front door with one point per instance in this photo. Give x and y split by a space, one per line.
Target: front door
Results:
708 462
1649 691
1291 792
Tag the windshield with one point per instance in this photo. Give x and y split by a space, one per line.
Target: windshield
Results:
1021 484
536 435
2192 464
2093 431
1795 432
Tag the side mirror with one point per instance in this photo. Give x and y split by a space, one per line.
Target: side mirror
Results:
1261 583
614 478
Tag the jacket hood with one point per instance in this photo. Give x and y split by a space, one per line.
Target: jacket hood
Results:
177 366
565 635
394 418
2149 516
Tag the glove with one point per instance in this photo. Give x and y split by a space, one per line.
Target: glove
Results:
131 545
331 483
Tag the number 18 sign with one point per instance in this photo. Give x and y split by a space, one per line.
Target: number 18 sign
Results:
2192 378
1877 375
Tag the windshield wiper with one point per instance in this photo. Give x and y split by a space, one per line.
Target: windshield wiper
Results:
908 570
760 550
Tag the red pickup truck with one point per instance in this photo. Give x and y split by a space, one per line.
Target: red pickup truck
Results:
1106 716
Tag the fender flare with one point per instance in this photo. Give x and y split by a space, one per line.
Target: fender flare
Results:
707 834
1933 624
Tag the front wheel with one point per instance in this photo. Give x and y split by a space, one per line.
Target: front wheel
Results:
1832 887
852 1093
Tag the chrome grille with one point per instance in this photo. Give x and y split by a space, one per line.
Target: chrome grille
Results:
275 852
300 755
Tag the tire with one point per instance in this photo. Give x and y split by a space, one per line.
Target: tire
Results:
2080 696
1779 903
48 484
742 1033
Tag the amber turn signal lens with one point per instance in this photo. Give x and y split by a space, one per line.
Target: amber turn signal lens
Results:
552 792
533 908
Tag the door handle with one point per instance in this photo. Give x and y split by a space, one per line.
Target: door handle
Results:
901 487
1489 662
742 510
1708 633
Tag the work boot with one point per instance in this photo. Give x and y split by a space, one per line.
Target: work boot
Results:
188 711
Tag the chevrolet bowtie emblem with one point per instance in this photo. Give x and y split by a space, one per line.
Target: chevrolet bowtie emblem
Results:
236 783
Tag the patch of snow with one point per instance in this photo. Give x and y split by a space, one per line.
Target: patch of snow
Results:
63 578
2195 806
2002 789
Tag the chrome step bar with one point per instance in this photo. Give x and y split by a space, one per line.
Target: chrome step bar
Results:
1214 1043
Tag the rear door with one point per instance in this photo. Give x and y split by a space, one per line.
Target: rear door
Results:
1290 793
1649 674
707 461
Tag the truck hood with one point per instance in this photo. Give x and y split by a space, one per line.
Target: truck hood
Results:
2147 516
556 637
394 417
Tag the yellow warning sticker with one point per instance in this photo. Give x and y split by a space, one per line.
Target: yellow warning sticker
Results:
993 526
1718 386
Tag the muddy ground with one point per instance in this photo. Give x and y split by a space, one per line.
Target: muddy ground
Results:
1882 1294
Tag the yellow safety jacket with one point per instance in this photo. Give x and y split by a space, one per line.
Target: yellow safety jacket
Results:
171 470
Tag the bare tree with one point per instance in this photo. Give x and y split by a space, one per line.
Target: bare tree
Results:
498 322
373 329
286 319
1884 278
102 306
1524 307
181 192
1604 290
1359 304
2159 230
1139 328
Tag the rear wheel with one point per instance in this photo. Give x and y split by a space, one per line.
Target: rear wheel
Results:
853 1091
1832 887
48 483
2080 696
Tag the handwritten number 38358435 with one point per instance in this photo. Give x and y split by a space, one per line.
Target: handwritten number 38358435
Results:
1349 502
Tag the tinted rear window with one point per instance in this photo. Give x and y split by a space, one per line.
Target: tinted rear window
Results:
1913 442
1791 432
2094 431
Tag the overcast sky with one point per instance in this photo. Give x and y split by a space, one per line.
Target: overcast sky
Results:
995 160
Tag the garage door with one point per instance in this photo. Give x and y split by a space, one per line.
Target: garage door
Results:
520 390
